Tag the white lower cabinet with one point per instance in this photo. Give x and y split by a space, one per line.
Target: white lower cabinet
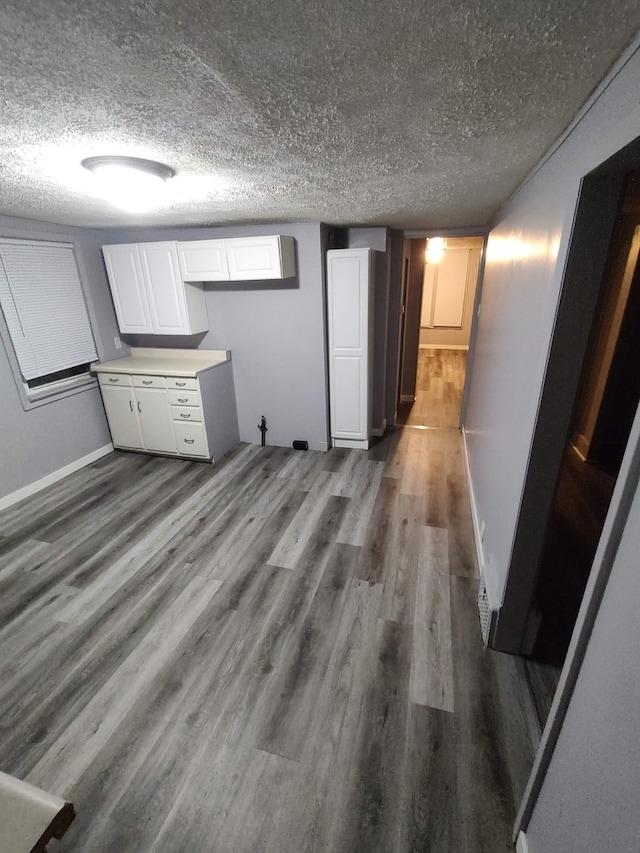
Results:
120 406
156 423
175 415
191 438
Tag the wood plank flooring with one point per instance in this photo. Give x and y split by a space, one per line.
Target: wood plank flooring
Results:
280 653
439 381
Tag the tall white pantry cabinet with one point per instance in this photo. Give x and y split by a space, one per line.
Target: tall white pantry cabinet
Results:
350 322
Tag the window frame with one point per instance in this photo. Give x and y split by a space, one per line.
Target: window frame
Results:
52 392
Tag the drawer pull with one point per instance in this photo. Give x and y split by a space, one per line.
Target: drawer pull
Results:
189 440
147 381
183 399
182 415
131 405
139 409
181 384
111 379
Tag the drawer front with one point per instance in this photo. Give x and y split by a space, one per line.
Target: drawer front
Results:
184 398
191 438
186 413
149 381
182 382
111 379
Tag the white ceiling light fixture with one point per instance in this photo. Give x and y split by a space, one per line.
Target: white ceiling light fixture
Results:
436 247
131 183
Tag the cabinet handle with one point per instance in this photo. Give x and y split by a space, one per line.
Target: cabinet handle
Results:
182 415
111 379
139 409
147 381
181 384
189 440
183 399
131 405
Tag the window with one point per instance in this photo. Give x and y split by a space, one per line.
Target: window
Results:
46 316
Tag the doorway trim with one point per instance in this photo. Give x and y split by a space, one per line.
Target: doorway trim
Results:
589 242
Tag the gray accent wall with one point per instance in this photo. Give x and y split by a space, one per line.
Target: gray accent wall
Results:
525 261
274 329
40 441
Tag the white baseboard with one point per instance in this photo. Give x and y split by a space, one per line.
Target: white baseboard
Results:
521 843
38 485
351 443
477 535
444 346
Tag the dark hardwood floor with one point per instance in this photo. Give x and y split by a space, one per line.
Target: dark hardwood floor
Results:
280 653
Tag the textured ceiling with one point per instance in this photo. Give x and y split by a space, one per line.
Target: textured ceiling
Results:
399 113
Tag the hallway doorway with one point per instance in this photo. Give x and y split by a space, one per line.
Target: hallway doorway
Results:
440 280
603 412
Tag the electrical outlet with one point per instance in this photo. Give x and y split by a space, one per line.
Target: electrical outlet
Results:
482 529
117 342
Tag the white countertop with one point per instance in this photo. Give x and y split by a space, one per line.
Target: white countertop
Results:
165 362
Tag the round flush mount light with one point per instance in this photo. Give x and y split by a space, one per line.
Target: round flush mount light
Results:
436 247
130 182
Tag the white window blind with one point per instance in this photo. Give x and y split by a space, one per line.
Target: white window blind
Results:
44 308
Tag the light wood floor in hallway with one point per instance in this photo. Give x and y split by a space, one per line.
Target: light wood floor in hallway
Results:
280 653
439 383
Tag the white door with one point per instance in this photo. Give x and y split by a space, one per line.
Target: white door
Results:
120 406
156 423
127 288
445 286
349 305
167 300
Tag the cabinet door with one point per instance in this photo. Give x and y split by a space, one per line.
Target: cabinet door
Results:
203 260
349 305
167 298
253 258
128 288
120 406
156 423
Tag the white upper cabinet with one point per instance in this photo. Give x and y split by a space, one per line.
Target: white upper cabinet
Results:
148 291
238 259
253 258
128 287
203 260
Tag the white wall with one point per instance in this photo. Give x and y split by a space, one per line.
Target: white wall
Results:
525 260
